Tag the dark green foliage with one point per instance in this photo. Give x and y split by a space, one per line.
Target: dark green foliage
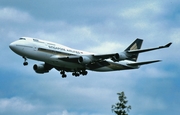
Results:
120 108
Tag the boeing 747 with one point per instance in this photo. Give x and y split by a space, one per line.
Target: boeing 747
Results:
65 59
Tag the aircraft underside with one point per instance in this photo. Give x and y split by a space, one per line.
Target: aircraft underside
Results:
76 69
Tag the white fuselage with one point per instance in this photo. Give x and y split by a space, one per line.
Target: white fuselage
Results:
51 53
65 59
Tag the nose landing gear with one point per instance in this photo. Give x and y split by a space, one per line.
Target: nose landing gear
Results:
25 61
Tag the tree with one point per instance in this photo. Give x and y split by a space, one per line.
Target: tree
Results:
120 108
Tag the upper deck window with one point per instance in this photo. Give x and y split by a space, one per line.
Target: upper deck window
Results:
36 40
39 41
22 38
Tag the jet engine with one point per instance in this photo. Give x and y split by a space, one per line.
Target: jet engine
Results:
40 68
84 60
119 57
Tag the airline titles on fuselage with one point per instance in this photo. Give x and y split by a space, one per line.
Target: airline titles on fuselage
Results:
64 49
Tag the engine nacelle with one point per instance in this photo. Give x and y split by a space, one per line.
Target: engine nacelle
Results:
119 57
40 68
84 60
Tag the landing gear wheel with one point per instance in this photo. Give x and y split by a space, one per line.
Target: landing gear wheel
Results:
25 63
75 74
84 73
64 76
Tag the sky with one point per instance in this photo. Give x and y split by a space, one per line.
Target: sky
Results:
99 26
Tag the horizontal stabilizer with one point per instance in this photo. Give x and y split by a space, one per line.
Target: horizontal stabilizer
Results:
150 49
143 63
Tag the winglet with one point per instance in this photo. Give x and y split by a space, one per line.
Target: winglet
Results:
169 44
166 46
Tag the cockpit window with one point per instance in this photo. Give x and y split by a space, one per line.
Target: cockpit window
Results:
22 38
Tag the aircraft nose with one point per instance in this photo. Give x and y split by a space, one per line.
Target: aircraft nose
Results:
12 45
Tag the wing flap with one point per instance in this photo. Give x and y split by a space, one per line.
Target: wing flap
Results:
73 59
104 56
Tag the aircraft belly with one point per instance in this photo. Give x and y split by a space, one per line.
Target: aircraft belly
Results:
47 57
65 64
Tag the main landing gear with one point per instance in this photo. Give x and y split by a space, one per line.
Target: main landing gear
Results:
83 72
76 73
25 61
63 74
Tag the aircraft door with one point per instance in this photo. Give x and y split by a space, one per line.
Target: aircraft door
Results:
35 47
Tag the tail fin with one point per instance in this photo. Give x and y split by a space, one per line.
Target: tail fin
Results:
135 45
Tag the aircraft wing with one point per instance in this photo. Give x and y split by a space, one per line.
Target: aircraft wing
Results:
150 49
131 53
97 62
126 55
143 63
75 58
70 58
123 56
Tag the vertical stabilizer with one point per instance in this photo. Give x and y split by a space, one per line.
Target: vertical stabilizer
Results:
134 46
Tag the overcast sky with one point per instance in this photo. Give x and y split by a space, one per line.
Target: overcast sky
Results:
99 26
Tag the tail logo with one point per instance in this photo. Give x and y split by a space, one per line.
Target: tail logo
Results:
134 47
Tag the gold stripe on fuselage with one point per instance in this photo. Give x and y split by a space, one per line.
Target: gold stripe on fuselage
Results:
54 52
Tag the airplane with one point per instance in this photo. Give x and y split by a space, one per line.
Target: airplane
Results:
65 59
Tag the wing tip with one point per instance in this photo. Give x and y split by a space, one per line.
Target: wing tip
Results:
143 63
157 60
166 46
169 44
